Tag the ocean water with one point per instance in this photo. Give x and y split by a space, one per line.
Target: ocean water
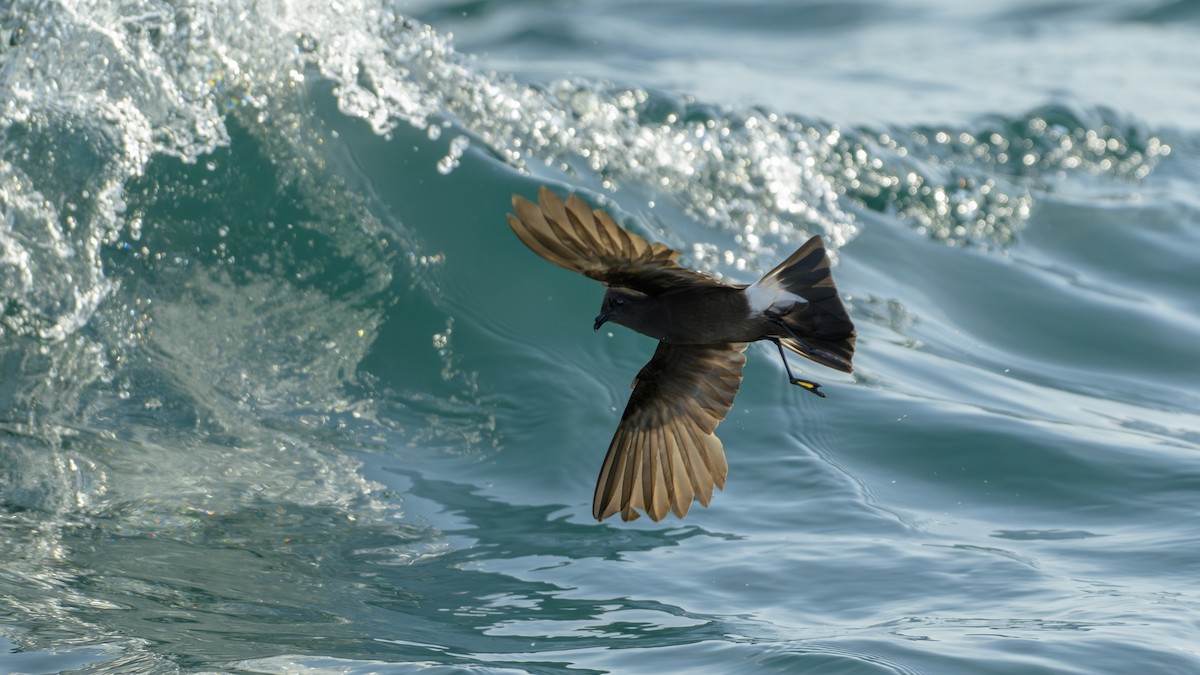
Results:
280 392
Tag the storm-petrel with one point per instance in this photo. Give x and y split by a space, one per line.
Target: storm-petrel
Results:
664 453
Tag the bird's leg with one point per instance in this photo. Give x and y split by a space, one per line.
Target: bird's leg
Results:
806 384
778 321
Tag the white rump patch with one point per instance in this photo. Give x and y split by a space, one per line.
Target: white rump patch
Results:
767 293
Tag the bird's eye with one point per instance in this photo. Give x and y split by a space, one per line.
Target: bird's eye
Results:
619 302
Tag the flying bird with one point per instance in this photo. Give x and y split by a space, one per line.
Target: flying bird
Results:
665 453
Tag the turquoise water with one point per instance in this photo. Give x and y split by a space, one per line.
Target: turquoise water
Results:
280 391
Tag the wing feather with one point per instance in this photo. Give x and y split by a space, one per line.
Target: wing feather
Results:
574 236
664 454
697 472
681 482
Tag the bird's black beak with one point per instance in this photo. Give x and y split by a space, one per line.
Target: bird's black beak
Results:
600 321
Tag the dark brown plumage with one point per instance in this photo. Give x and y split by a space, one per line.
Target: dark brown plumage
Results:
665 453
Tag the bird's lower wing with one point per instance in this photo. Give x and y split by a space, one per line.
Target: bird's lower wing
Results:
665 453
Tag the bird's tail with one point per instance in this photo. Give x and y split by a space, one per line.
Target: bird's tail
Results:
800 298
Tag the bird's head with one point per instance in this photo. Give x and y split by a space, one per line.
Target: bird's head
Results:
625 306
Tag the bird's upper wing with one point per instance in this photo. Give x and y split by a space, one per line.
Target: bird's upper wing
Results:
587 241
664 453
